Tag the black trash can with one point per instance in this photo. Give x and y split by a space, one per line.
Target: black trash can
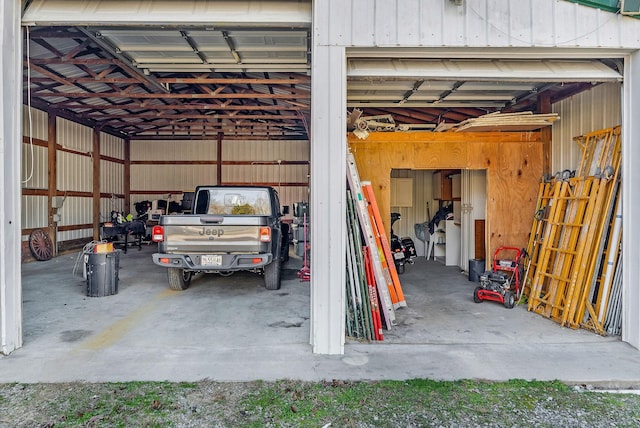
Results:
102 274
476 268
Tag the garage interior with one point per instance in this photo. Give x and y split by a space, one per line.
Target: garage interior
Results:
125 114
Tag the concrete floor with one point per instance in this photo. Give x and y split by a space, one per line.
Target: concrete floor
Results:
232 329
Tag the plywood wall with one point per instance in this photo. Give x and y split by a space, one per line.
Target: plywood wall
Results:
513 162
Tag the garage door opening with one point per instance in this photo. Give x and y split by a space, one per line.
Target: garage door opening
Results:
390 100
122 113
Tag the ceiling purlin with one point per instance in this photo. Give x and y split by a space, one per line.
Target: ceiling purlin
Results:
56 77
82 45
230 103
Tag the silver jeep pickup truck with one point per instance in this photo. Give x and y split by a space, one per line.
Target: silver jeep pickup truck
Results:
231 228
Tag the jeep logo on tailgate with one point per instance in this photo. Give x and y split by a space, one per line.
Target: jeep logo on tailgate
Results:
206 231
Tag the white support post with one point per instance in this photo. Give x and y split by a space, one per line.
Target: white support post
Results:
10 189
631 201
328 199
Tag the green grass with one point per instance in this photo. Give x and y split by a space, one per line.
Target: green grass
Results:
417 402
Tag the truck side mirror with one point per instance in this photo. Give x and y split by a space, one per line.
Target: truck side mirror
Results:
285 209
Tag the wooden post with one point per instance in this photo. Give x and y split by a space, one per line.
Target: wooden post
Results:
51 178
127 175
219 159
96 184
544 106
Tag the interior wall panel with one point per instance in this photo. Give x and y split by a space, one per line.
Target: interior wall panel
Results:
171 177
35 166
598 108
173 150
34 123
74 172
74 136
423 205
113 204
76 210
111 177
256 150
69 235
34 212
111 146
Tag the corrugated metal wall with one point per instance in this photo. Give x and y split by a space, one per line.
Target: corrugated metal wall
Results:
74 173
35 169
35 121
153 172
599 108
483 23
111 175
244 162
263 157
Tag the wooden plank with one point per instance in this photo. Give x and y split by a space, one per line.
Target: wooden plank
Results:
507 157
479 246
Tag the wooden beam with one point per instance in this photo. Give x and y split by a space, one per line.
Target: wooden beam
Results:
182 106
51 176
123 94
219 158
544 106
127 174
96 184
100 116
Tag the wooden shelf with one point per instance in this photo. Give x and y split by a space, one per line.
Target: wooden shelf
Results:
446 185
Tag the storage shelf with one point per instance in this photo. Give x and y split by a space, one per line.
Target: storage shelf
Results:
448 251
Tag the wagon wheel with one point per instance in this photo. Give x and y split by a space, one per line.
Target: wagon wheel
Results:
40 245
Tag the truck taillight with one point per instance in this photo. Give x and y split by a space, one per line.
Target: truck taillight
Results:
265 234
157 234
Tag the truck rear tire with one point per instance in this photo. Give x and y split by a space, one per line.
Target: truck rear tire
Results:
272 275
179 279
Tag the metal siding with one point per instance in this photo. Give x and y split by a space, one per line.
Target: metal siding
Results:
76 210
74 136
171 177
358 30
35 166
113 204
74 172
111 177
328 151
37 122
599 108
10 135
173 150
34 212
74 234
422 195
410 34
111 146
631 205
478 23
144 12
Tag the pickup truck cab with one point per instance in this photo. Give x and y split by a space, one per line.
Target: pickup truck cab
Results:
231 228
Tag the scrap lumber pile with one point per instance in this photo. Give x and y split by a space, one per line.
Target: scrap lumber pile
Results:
492 122
574 277
373 290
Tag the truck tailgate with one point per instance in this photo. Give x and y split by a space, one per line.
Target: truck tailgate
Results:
212 234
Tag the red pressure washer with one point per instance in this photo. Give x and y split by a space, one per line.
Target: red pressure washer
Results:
502 284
